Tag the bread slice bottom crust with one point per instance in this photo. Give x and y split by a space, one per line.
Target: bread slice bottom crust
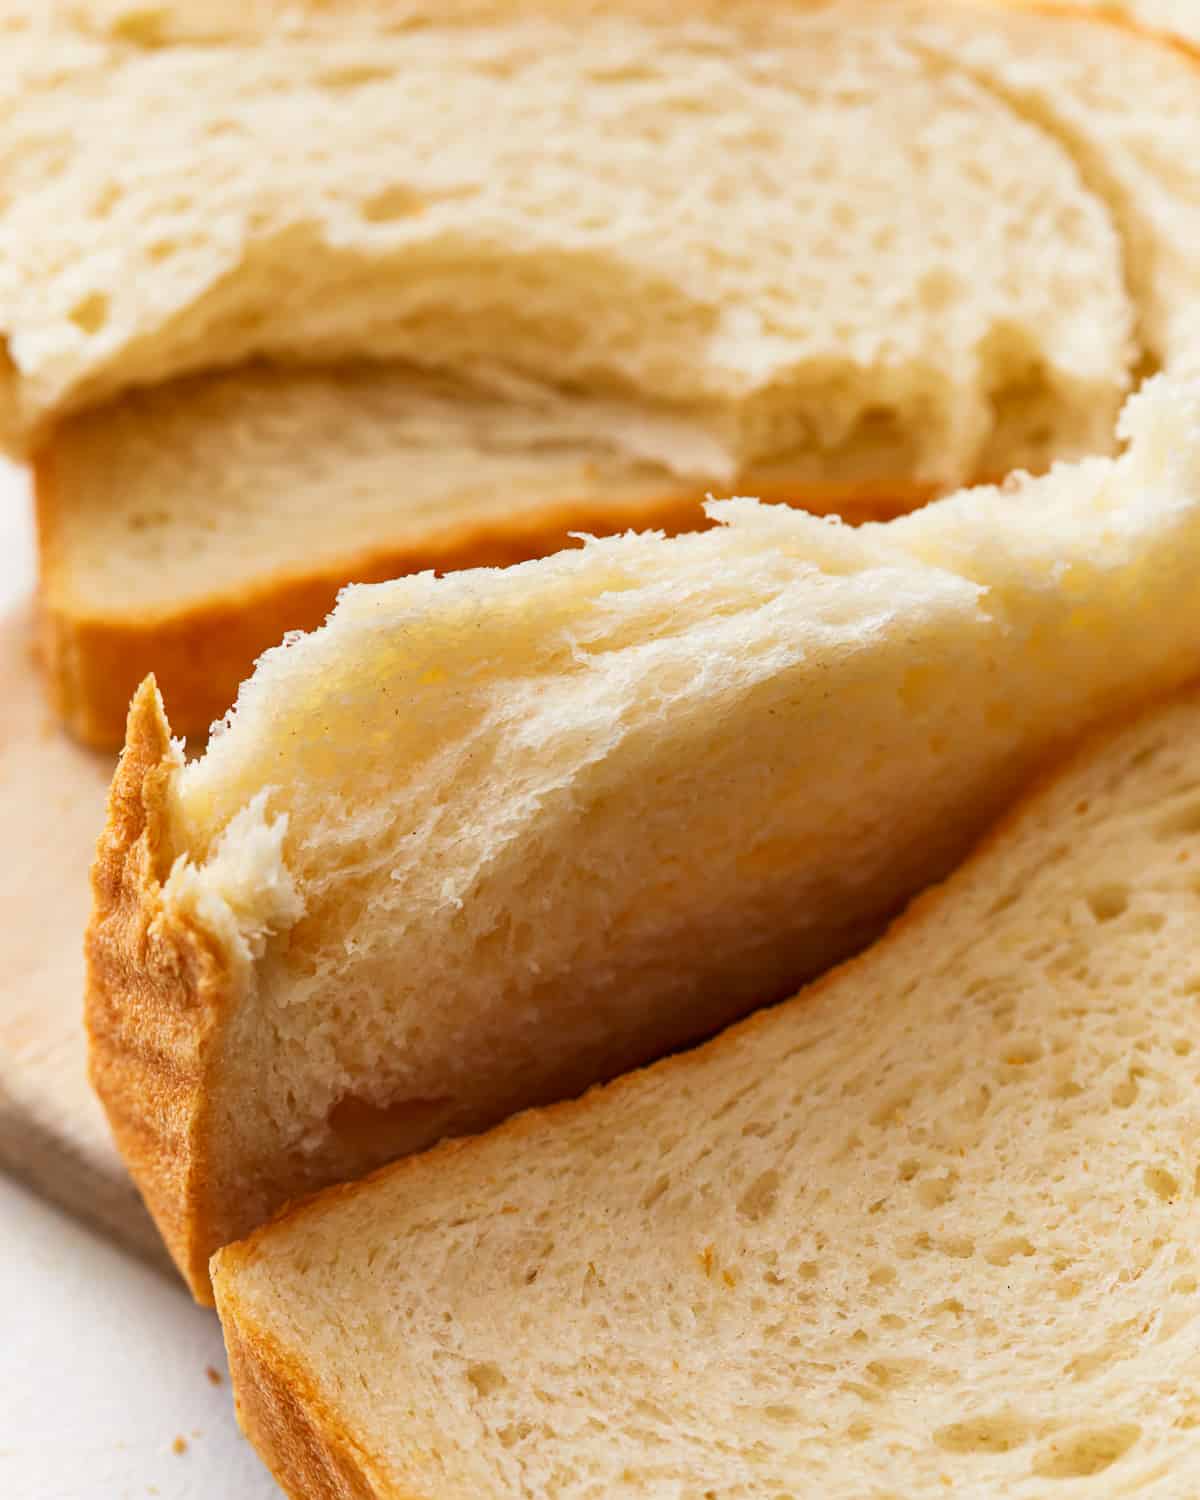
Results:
153 1079
300 1438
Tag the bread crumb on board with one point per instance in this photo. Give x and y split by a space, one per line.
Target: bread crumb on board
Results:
214 1375
179 1445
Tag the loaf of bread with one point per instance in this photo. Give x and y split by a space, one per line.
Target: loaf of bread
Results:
847 255
186 528
483 840
930 1228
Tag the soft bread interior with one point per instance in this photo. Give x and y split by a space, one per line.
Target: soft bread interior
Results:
1124 105
1175 18
481 840
342 466
937 243
857 238
215 485
931 1227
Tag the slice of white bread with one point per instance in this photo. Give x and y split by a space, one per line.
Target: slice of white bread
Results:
186 528
485 839
932 1227
774 224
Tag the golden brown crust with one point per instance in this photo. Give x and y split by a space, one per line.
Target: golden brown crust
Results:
282 1413
155 991
200 653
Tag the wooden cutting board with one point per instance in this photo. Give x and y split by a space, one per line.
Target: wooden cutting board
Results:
53 1134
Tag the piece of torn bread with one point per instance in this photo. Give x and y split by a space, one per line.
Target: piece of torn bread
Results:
932 1227
483 840
775 225
186 528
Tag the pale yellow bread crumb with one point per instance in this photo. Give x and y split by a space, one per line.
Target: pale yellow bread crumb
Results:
932 1227
774 225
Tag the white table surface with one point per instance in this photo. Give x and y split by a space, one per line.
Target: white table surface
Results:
104 1363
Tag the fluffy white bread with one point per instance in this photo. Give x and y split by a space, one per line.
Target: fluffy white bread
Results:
186 528
1125 105
483 840
930 1228
777 225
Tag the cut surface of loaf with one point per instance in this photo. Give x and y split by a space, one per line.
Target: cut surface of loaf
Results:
186 528
930 1228
482 840
1123 103
779 226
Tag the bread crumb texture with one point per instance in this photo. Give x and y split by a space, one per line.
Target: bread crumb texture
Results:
955 232
847 256
933 1225
483 840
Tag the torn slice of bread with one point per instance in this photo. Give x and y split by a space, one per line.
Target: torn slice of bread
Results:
485 839
932 1227
187 528
772 224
